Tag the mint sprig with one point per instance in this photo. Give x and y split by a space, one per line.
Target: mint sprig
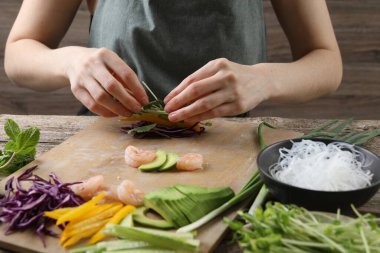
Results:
20 149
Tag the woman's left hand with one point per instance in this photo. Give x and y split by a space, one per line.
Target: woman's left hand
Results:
220 88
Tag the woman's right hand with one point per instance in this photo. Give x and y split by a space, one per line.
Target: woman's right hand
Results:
105 84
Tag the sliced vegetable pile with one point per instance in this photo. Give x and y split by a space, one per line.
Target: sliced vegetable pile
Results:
288 228
88 220
20 149
152 121
180 205
143 240
24 208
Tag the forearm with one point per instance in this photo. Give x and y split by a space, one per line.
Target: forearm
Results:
316 74
33 65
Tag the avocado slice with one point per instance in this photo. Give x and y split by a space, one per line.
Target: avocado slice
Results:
183 204
156 163
171 161
139 215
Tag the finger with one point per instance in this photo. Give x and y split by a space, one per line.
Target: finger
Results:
200 106
194 92
206 71
86 99
115 88
127 77
226 109
104 99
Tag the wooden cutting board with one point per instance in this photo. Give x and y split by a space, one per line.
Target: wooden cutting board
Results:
229 148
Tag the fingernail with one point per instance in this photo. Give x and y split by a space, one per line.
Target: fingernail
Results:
173 116
167 109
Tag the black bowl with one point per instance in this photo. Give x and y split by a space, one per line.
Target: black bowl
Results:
313 199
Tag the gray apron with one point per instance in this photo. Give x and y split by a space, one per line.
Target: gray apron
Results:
164 41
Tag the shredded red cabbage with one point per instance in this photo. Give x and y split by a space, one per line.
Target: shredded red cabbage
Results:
24 208
161 131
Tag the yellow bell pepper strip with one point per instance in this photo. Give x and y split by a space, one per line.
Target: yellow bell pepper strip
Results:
78 237
80 210
84 222
89 227
95 211
121 214
100 216
58 212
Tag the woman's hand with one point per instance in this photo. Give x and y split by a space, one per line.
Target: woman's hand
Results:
220 88
105 84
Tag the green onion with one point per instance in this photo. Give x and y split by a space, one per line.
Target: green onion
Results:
289 228
183 242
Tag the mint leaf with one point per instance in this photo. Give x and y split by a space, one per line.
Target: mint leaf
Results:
28 150
154 105
20 149
12 129
17 163
10 146
26 139
142 129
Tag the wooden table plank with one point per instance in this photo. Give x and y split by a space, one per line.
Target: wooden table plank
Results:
56 129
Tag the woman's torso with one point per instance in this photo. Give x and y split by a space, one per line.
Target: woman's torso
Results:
164 41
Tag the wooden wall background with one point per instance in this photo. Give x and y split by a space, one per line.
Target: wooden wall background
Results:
357 27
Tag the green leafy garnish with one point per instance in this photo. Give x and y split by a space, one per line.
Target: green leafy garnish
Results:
20 149
142 129
289 228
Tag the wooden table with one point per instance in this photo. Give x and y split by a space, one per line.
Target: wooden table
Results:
56 129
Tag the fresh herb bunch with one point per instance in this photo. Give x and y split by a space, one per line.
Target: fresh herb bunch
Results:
20 149
288 228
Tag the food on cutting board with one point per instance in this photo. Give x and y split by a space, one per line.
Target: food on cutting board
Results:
125 192
170 163
90 187
160 160
23 208
156 163
314 165
136 157
88 220
190 161
180 205
152 121
143 240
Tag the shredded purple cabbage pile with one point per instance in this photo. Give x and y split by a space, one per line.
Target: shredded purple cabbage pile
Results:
160 131
24 208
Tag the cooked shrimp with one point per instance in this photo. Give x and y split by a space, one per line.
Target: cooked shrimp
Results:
190 161
135 157
128 194
90 187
